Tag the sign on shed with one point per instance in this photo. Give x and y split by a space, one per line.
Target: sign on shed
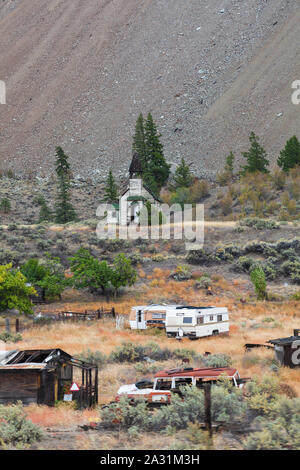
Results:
74 387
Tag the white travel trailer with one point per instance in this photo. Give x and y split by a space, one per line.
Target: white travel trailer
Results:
145 316
181 320
197 322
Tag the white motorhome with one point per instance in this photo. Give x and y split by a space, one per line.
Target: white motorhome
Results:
197 322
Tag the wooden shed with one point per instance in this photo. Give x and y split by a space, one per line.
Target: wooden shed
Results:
45 376
287 350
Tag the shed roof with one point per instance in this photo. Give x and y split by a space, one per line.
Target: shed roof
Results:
284 341
30 358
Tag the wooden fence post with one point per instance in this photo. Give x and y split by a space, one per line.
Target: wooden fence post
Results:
7 325
207 398
17 325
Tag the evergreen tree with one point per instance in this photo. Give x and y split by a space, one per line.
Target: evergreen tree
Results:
256 157
45 212
290 155
230 162
182 177
156 164
111 190
64 211
5 206
139 140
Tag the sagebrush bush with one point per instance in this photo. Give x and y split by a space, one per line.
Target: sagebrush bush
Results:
280 431
15 428
93 357
9 337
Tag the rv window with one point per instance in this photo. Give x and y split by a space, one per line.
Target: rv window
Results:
179 314
220 318
163 384
188 320
211 318
200 320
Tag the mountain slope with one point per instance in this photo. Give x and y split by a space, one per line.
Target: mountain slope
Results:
79 72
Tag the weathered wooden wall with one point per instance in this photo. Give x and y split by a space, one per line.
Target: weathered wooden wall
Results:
18 385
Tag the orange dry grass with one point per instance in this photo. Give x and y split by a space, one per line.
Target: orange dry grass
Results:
62 416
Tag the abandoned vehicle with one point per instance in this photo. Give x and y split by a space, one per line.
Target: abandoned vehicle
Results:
45 376
169 381
181 320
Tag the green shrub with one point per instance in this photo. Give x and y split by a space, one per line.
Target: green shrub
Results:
260 224
15 428
93 357
8 337
258 279
127 352
218 360
281 431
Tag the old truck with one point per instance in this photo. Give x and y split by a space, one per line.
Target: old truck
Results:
167 382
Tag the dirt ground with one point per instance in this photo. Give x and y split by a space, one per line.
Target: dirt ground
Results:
79 73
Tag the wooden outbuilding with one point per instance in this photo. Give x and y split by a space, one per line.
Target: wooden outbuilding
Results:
45 376
287 350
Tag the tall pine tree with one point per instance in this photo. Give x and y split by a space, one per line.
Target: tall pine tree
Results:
64 211
256 157
111 190
290 155
139 140
156 165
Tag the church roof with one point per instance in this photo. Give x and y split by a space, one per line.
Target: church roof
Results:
136 164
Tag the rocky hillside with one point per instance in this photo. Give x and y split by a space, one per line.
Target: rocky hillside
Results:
78 72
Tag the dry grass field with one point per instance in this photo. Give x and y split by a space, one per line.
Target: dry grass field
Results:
250 322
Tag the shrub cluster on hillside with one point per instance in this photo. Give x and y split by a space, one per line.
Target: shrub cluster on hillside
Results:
15 429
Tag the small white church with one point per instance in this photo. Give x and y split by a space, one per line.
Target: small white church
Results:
132 200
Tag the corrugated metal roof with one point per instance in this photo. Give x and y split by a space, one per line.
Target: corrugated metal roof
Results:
285 341
28 365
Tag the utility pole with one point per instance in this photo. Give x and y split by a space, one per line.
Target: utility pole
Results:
207 402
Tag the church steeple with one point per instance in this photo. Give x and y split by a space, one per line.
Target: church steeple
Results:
136 167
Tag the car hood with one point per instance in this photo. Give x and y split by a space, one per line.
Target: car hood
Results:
132 389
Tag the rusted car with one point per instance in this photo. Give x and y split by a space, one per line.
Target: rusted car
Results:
167 382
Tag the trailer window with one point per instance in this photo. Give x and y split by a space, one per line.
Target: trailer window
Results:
220 317
156 316
200 320
211 318
188 320
163 384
